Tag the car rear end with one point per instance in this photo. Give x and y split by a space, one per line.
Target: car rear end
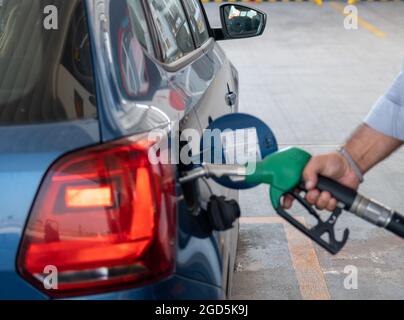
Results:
77 217
84 212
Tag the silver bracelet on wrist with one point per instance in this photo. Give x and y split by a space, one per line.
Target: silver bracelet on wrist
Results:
352 163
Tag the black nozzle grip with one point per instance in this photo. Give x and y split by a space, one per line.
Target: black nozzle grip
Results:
342 193
396 225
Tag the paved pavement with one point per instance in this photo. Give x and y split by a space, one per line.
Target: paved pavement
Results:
313 81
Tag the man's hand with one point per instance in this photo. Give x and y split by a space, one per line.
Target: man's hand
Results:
332 165
366 146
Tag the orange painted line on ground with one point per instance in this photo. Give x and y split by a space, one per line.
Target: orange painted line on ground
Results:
309 273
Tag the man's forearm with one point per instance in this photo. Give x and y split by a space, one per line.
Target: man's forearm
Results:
368 147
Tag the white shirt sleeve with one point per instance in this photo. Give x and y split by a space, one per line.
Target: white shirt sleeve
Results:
387 115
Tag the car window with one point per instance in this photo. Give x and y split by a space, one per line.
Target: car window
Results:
130 39
174 34
46 72
197 20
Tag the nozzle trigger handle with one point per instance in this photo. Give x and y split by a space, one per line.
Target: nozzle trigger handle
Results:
317 232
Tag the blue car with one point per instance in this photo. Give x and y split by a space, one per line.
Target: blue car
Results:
84 211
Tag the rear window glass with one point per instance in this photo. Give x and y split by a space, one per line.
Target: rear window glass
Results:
46 73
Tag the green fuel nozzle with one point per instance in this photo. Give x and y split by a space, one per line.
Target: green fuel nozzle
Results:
283 171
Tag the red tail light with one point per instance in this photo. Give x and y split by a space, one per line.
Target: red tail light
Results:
104 217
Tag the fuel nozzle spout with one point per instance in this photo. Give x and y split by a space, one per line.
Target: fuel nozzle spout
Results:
209 170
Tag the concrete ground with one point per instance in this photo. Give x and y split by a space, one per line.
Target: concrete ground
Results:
313 82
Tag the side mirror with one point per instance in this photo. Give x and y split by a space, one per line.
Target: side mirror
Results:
239 21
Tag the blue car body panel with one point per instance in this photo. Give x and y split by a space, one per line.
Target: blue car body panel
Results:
173 288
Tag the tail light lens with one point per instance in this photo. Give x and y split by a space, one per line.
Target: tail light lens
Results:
104 217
